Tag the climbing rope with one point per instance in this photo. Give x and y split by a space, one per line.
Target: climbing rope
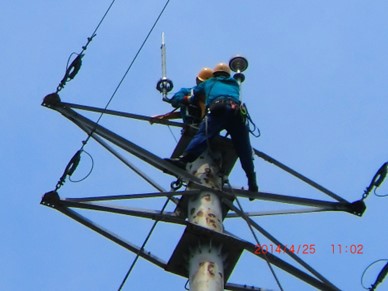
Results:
253 129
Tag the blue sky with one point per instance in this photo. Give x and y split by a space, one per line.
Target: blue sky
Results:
316 86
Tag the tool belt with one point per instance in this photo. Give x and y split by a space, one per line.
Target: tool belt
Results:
220 105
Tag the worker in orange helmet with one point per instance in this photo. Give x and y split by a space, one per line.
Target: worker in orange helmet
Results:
192 111
222 93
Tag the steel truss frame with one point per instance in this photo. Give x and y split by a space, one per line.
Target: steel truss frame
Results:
102 134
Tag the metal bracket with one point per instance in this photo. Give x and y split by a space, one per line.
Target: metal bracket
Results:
51 199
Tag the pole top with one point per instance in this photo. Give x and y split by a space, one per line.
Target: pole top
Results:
238 64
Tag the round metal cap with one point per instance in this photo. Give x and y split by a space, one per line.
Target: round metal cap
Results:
238 64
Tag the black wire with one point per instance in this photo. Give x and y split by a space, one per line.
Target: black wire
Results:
379 195
366 269
142 247
173 135
97 27
126 72
256 239
376 182
88 174
66 78
99 24
78 59
68 60
91 133
187 282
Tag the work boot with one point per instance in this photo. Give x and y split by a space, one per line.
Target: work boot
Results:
177 162
182 160
187 157
252 184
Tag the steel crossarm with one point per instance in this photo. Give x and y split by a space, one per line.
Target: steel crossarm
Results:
298 175
123 114
285 266
171 217
240 287
92 128
51 199
130 165
279 212
278 243
290 199
134 196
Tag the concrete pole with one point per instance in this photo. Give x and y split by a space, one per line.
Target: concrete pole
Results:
206 268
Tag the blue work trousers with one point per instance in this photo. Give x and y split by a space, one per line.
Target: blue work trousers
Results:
232 121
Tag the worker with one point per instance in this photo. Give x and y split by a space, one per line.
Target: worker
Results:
222 94
194 111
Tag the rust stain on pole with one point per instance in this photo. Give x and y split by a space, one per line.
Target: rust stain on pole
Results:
206 260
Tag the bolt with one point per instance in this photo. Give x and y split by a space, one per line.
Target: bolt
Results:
210 269
207 197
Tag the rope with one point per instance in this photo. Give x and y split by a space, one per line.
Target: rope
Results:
247 117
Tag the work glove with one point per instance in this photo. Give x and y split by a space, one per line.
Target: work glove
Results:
187 99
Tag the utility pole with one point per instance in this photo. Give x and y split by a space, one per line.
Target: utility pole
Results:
206 263
206 266
205 253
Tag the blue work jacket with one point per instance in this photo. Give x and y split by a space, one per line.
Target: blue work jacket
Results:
179 96
218 87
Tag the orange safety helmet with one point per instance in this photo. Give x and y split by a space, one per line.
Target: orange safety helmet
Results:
204 74
221 68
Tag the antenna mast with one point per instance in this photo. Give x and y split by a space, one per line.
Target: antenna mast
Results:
163 51
164 85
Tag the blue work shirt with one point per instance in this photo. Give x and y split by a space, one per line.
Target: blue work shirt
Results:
179 96
218 87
